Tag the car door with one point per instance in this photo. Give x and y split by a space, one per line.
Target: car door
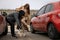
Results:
39 19
44 17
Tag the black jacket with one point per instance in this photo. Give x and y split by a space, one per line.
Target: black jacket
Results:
15 17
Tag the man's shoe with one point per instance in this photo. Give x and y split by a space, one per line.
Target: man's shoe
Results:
14 36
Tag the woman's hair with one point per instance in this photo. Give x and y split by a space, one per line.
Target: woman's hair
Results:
27 7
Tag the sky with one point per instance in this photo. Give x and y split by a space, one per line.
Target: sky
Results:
34 4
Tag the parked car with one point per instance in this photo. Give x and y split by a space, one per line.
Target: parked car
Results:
47 19
3 26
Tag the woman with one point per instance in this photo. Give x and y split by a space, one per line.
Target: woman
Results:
26 19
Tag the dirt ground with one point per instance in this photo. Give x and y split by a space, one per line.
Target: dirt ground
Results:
29 36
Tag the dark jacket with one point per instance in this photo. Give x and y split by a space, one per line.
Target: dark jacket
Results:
15 17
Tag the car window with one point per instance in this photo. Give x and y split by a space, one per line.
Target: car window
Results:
41 11
49 8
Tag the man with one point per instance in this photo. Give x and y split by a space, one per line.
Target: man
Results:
15 17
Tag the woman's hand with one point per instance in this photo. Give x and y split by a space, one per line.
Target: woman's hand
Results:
28 28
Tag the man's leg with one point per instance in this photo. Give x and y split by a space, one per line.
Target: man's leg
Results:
12 29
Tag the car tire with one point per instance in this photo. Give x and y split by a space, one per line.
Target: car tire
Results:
52 33
32 29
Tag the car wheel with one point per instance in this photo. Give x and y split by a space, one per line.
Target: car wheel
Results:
5 32
32 29
52 33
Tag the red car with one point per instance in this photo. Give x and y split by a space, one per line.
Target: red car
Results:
47 19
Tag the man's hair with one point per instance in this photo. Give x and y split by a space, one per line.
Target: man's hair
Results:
22 13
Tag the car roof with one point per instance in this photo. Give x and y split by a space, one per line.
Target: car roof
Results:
56 5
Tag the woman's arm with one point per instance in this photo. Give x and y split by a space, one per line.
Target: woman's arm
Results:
23 21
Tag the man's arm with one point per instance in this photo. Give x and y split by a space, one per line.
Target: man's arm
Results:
17 21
